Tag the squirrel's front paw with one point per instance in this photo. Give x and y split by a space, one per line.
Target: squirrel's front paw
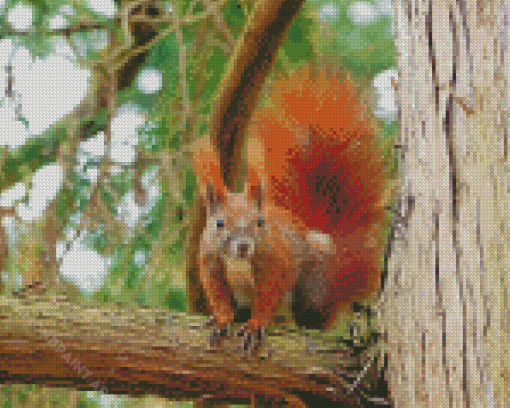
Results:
252 337
219 330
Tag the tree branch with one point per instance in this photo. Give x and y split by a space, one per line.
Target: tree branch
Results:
136 351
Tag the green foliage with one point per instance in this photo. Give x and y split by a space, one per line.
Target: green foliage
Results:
163 57
364 49
176 300
388 135
190 184
36 153
207 82
234 13
88 403
297 46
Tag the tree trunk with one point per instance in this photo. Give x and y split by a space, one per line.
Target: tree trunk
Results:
444 298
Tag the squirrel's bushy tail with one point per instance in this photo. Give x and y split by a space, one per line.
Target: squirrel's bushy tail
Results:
323 163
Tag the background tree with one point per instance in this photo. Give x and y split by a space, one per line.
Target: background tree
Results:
445 300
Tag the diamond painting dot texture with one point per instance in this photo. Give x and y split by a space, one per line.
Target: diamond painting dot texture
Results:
275 202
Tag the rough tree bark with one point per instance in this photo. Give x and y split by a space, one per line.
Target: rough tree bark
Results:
443 304
129 350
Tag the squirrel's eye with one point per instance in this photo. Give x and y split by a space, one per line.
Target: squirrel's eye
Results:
220 224
260 222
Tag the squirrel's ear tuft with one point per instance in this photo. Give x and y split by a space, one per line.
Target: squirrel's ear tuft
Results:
213 195
254 188
208 170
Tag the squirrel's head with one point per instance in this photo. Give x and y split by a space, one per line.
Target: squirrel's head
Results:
235 221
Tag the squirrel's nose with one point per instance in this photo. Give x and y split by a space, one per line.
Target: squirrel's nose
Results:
242 249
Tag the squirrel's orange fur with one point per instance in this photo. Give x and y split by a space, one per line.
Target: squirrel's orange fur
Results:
310 219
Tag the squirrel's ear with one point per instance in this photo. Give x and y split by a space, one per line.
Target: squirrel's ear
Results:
254 188
213 196
208 170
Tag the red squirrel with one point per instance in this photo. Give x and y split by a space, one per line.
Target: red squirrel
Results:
309 223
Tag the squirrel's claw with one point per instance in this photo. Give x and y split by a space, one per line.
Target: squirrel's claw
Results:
219 330
252 337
